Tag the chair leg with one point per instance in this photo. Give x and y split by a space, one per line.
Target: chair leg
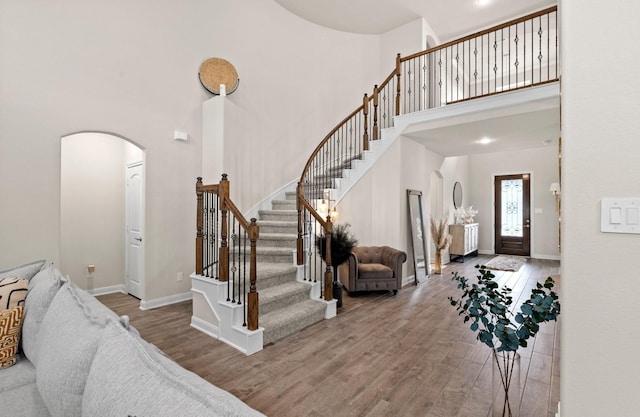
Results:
395 292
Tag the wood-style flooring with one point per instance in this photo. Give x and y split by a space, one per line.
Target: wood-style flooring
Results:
383 355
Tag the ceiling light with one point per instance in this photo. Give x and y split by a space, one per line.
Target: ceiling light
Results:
482 2
484 141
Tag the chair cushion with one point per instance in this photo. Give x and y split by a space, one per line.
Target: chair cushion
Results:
22 373
23 401
369 254
374 271
42 288
26 271
128 373
69 336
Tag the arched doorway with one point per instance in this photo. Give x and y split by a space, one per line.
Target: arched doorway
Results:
96 208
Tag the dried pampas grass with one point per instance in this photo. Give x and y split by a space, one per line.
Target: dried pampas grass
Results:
439 234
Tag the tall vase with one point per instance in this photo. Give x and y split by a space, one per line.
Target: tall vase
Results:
438 263
506 384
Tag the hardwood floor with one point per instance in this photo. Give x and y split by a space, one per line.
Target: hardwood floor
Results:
383 355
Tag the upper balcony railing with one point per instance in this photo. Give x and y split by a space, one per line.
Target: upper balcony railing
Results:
517 54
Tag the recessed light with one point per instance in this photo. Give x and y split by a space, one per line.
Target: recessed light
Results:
482 2
484 141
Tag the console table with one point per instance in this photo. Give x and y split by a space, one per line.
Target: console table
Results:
464 240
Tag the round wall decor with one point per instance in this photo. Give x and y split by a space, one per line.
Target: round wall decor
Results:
216 71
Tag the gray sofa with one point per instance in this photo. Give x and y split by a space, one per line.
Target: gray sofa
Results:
80 359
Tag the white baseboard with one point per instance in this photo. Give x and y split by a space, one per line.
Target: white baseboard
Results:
205 327
165 301
409 280
543 256
106 290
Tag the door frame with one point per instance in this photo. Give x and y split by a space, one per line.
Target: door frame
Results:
142 227
531 173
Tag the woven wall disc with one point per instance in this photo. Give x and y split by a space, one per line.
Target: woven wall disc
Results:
216 71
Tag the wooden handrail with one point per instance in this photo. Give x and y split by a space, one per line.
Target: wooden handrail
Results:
442 90
250 227
482 33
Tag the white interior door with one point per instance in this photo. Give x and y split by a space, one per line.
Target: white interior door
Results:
134 229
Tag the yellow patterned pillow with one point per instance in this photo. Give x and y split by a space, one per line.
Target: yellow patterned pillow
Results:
10 326
13 292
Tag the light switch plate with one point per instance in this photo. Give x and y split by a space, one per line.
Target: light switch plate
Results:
620 215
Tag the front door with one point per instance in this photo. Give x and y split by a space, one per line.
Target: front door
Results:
134 219
512 215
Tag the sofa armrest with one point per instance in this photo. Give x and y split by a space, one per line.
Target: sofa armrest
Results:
348 272
394 258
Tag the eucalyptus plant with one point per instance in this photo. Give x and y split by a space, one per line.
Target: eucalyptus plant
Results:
489 308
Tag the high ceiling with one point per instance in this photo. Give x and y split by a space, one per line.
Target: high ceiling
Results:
448 18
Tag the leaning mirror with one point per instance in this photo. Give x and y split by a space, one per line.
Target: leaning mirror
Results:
457 195
418 234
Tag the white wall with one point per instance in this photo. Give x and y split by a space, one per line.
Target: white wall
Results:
92 207
130 68
600 125
455 169
376 207
542 163
404 40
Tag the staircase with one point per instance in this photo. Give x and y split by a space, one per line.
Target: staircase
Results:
287 304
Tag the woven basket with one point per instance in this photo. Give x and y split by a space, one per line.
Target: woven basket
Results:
216 71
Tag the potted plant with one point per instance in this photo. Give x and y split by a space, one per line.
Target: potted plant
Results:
342 243
488 307
441 239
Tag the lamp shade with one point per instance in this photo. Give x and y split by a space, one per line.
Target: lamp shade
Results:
555 188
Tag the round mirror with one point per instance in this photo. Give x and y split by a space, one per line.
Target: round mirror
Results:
457 195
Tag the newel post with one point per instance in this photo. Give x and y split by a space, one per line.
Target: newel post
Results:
328 274
300 241
398 66
223 193
365 110
375 112
252 308
199 225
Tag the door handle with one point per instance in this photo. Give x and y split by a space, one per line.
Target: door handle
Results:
527 223
139 239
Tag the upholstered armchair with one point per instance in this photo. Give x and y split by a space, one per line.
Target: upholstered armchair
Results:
373 268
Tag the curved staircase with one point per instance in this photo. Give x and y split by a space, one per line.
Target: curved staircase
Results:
287 304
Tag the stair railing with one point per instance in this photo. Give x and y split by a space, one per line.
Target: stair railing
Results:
517 54
226 246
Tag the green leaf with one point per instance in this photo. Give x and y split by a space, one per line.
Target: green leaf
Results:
523 333
526 309
474 326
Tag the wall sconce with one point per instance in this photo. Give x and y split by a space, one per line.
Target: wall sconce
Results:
334 214
555 190
325 208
